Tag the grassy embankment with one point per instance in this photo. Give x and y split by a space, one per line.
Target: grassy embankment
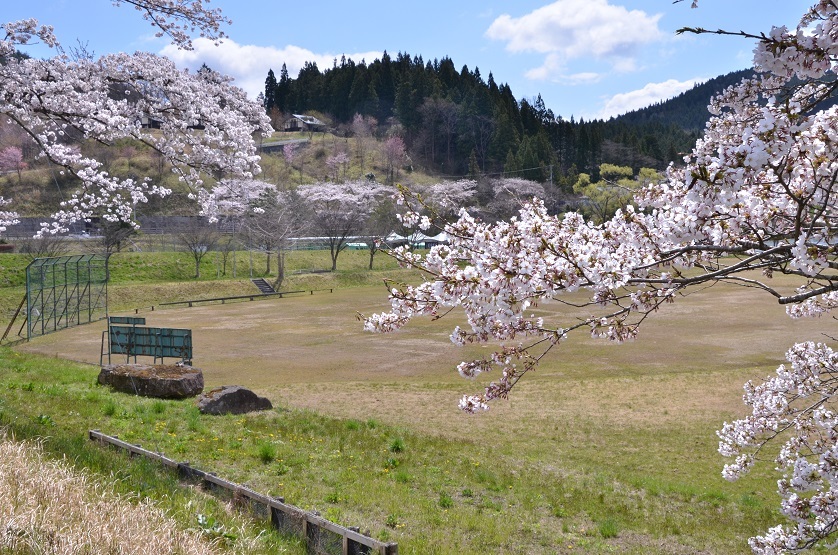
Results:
604 449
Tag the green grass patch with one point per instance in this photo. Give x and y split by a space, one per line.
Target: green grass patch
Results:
438 495
149 278
605 448
60 418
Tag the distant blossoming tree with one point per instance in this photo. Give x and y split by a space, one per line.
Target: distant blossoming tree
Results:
510 193
7 217
268 218
339 211
440 202
206 125
11 159
336 162
756 197
395 155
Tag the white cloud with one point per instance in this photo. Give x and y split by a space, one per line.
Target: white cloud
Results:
572 29
249 64
553 70
648 95
584 78
550 70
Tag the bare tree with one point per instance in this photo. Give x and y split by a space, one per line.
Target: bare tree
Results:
395 155
381 221
113 234
277 117
227 244
198 237
46 246
449 115
363 128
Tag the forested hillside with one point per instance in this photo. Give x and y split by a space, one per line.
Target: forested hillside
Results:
457 123
688 110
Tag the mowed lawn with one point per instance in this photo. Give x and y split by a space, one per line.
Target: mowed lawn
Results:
606 448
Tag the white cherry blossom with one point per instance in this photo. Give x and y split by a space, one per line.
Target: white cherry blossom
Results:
206 125
756 197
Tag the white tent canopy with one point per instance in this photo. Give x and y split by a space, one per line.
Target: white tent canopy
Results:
416 239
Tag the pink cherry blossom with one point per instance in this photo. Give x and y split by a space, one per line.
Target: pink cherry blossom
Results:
754 198
206 125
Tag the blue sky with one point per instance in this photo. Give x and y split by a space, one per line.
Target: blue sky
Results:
587 58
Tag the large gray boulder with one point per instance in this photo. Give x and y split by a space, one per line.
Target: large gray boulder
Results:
161 381
231 399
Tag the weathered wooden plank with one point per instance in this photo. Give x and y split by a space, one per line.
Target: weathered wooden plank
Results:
272 508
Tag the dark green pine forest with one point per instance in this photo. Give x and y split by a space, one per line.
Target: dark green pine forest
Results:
458 123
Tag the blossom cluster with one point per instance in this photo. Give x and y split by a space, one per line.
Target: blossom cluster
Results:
755 197
351 197
7 217
234 197
206 125
798 404
181 19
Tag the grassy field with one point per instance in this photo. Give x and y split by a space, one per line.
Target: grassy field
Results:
143 279
605 449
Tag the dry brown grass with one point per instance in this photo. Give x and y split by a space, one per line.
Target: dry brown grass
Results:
685 371
47 507
638 417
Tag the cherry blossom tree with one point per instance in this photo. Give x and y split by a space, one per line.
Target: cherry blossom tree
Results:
267 217
206 125
510 193
234 198
289 153
336 162
11 159
339 211
755 197
279 218
394 155
442 201
433 205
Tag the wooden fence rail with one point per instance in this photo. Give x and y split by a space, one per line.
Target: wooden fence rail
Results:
322 537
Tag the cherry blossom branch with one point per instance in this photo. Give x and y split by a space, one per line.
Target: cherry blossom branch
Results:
179 19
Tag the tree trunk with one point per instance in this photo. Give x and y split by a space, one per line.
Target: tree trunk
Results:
280 269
